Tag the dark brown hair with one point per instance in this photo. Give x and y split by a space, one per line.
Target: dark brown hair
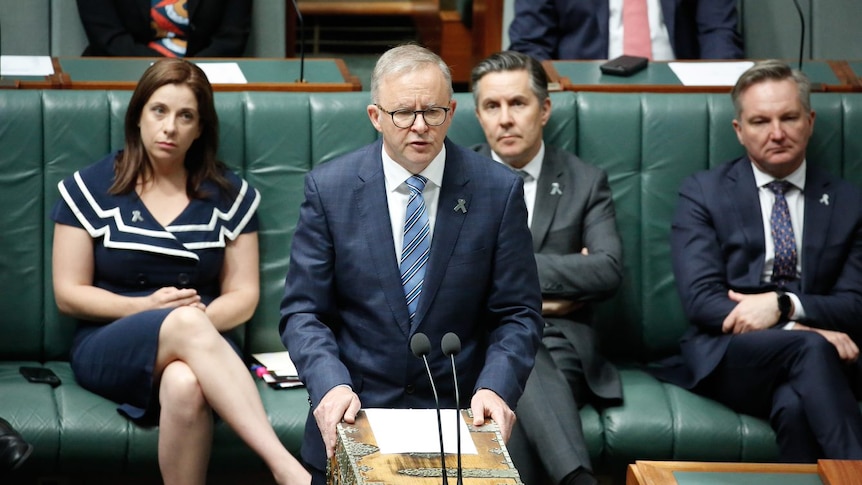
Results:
200 161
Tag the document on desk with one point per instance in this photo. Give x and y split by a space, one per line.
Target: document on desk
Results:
415 431
26 66
717 73
223 72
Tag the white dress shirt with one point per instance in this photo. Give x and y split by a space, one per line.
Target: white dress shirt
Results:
533 169
397 194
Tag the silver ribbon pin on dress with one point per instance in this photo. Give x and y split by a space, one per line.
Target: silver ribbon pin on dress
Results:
136 216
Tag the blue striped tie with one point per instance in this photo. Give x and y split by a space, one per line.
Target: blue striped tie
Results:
416 244
784 265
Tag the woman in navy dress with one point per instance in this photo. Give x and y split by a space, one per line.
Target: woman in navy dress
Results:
156 253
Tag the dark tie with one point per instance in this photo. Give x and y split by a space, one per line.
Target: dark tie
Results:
416 244
784 265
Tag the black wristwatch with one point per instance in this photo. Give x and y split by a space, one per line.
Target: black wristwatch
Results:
784 306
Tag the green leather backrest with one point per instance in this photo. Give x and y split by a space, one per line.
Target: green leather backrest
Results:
646 142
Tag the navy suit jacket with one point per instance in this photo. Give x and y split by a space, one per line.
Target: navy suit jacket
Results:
219 28
344 317
717 242
578 29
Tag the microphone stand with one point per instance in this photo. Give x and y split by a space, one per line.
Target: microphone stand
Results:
421 346
451 346
301 43
802 34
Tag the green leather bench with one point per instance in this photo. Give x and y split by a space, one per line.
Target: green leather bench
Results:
647 143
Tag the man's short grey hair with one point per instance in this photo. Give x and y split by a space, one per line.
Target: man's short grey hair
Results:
771 70
406 58
511 61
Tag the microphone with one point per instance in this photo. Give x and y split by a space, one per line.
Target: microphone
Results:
451 346
801 35
421 346
301 43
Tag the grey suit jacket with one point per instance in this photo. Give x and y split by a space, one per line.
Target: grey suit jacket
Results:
574 209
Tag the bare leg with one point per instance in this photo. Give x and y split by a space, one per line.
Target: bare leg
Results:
185 427
187 335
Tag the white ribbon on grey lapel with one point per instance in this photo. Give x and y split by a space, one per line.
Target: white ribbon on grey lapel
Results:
555 189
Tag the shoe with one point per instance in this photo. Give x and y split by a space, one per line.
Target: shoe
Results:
14 450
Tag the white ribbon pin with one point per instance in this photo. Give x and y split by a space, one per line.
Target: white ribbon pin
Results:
136 216
462 206
824 199
555 189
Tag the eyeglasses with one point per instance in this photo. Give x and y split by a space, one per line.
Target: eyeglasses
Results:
404 118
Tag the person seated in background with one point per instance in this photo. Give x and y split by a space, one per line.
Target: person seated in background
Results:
166 28
14 449
660 30
767 257
579 258
156 255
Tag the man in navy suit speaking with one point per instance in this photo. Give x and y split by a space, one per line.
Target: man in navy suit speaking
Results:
767 255
409 234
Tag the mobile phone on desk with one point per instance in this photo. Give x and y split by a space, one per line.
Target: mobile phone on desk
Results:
41 375
624 65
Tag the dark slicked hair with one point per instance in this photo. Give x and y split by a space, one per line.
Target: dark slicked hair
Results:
511 61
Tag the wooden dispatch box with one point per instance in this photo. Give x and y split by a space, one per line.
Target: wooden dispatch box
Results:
358 461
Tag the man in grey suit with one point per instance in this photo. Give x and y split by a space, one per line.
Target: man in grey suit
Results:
579 258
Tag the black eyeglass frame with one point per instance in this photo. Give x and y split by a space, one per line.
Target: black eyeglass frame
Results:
415 113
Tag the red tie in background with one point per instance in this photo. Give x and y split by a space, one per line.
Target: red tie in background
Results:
636 39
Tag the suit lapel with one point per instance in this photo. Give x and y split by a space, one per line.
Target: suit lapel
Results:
818 214
453 194
549 190
742 189
370 197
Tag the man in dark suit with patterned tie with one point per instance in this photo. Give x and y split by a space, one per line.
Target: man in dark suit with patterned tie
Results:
357 291
579 258
767 255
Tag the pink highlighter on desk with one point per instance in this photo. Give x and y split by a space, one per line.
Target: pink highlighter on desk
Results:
276 369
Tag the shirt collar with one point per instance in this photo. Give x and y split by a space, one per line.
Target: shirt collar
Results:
396 175
797 178
533 167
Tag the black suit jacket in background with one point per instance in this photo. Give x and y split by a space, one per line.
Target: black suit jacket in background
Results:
219 28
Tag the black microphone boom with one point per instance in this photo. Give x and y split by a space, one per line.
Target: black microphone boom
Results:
451 346
802 34
301 43
421 346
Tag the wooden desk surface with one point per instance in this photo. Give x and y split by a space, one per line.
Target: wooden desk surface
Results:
321 75
658 77
825 472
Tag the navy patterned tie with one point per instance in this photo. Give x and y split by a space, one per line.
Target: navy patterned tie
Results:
784 265
416 244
